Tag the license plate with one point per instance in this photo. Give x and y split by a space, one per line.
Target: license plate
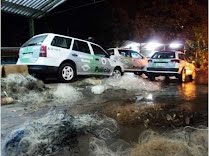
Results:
29 55
160 64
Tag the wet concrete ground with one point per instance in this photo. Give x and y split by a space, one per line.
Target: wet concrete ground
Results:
189 97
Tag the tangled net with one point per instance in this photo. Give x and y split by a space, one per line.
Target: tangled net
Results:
15 84
182 142
56 131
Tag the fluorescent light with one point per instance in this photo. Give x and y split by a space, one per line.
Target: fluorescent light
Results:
152 45
175 45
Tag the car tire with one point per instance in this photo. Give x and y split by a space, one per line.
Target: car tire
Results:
66 72
167 79
138 73
117 73
193 76
182 76
151 78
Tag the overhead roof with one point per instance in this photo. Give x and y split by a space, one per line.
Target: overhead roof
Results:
29 8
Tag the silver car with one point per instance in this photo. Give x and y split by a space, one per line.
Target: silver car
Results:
132 60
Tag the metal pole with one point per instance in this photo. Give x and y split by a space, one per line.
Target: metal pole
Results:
31 27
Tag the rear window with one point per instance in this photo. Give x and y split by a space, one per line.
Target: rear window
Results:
35 41
61 42
164 55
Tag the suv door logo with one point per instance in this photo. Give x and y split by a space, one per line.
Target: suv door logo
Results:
85 67
103 61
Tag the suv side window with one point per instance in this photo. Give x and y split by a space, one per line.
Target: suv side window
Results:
125 53
136 55
98 51
61 42
182 57
81 46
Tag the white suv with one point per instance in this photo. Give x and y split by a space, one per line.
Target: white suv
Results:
66 57
170 63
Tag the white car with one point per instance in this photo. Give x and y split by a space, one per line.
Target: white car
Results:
132 60
65 57
170 63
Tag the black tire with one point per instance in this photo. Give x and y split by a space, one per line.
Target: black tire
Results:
66 73
117 72
182 76
193 76
138 73
167 79
151 78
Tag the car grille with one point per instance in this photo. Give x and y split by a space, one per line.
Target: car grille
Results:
163 69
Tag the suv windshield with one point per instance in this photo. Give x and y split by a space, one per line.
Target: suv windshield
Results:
163 55
35 41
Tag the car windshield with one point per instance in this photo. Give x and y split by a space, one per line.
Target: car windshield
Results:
35 41
164 55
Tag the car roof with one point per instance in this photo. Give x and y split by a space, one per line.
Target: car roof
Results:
167 51
66 37
121 49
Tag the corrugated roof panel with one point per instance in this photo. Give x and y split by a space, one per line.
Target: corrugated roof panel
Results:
37 5
9 9
34 4
18 1
26 3
29 8
31 4
23 2
48 6
41 5
13 10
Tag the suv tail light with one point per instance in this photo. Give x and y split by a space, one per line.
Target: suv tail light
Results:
149 61
175 61
43 51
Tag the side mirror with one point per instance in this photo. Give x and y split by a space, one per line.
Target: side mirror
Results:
107 56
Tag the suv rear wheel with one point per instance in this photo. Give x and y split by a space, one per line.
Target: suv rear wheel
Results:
193 76
182 76
66 72
138 73
151 78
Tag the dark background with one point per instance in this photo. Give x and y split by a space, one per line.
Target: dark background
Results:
82 22
112 21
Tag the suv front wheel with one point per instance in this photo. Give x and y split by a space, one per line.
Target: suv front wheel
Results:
117 73
66 72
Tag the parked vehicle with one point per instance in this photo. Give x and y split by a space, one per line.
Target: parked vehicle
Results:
132 60
66 57
170 63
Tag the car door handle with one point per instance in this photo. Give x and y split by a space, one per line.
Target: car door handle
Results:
74 55
97 59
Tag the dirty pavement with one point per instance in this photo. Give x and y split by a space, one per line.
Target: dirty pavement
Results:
103 116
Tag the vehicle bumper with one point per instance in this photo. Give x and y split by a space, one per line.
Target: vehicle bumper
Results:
163 71
43 71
